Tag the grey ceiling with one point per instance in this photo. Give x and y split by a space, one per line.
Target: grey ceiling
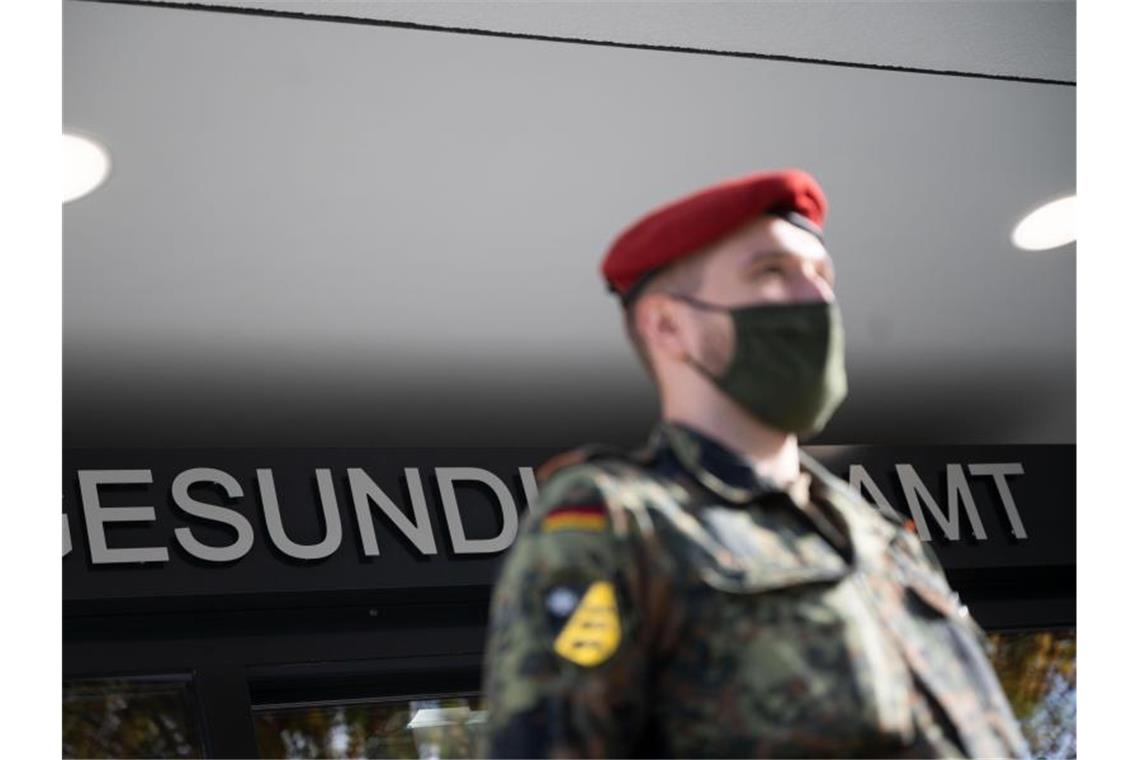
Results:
329 234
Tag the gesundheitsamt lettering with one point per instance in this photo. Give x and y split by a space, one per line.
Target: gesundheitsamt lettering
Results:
374 513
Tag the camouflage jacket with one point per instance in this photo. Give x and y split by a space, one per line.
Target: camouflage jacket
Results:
669 602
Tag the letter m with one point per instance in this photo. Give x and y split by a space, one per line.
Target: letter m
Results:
920 502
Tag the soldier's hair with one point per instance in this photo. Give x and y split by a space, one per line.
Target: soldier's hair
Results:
683 276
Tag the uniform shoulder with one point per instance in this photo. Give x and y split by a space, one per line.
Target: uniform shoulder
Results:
837 487
589 454
593 475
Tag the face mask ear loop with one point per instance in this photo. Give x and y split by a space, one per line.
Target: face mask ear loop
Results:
705 306
700 368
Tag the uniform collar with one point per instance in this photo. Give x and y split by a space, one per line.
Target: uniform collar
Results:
720 469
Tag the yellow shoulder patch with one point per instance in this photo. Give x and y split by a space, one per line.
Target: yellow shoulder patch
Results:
593 632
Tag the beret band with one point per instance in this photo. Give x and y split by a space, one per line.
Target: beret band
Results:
686 225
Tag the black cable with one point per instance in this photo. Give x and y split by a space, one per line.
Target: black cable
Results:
332 18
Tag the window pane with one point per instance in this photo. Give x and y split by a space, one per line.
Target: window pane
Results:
447 727
130 718
1039 673
1037 670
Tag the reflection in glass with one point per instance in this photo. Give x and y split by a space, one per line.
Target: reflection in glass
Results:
130 718
428 729
1038 671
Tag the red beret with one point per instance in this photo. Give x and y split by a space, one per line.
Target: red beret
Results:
686 225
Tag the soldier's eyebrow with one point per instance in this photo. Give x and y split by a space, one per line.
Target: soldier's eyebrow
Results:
782 258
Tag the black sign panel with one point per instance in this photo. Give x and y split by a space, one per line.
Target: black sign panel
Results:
208 523
979 506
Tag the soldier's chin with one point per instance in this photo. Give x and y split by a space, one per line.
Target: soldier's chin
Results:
800 435
767 425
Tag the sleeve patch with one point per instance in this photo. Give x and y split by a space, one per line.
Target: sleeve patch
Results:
593 632
591 517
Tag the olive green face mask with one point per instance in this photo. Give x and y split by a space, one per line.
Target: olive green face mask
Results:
787 365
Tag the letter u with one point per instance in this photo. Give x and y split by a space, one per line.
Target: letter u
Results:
327 545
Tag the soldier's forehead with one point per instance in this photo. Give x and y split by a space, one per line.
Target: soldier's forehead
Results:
771 235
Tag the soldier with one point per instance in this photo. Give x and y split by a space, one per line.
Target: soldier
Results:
718 592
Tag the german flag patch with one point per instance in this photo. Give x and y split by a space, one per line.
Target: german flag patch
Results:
591 517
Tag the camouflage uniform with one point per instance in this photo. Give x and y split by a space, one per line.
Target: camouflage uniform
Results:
670 603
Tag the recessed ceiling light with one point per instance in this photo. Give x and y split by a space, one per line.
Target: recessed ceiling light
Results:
85 166
1049 226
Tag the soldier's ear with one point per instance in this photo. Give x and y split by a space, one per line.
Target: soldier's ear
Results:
658 321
